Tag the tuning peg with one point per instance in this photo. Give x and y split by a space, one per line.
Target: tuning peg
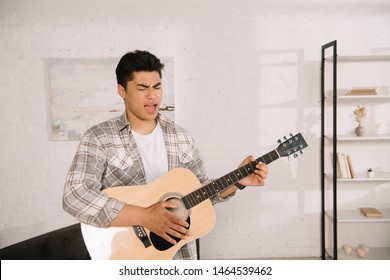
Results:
291 135
295 155
285 138
301 152
279 141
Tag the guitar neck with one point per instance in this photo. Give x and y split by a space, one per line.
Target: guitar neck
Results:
194 198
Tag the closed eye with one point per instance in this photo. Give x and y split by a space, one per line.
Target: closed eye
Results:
157 86
142 87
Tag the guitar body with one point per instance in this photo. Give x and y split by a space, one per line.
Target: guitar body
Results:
123 243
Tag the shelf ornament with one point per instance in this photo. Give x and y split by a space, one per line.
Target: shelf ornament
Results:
360 115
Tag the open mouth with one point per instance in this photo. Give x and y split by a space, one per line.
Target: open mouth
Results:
151 108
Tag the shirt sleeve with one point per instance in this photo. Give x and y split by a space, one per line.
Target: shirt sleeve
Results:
83 197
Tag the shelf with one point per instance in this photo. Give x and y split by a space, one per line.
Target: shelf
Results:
375 253
359 138
355 216
362 177
342 97
362 138
351 97
359 58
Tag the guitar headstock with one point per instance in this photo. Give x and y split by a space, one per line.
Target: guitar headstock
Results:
291 146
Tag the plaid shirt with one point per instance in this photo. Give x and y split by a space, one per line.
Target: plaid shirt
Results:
108 156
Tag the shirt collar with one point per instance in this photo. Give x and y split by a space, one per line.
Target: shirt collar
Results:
124 123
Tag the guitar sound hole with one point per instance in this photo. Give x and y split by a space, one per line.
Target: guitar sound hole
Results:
160 243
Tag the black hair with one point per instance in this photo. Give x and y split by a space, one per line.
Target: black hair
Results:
136 61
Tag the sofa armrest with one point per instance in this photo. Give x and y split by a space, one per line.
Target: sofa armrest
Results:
63 244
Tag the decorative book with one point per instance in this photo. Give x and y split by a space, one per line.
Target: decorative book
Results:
344 167
371 212
362 91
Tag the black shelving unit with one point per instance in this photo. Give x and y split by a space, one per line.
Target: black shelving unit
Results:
337 217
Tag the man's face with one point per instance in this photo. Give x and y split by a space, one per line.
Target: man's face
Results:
142 96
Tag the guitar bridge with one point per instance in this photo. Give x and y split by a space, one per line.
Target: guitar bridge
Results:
141 234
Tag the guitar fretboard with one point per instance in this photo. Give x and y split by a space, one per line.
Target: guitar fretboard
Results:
194 198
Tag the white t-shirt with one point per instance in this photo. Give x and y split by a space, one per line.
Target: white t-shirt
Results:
153 153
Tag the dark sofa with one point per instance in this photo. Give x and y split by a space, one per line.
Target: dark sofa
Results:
62 244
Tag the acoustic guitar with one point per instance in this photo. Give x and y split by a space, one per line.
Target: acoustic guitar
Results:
193 202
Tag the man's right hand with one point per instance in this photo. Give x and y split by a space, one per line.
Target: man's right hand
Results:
158 219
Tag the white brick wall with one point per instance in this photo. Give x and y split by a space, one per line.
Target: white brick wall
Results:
246 73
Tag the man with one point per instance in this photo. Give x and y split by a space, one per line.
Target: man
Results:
135 149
